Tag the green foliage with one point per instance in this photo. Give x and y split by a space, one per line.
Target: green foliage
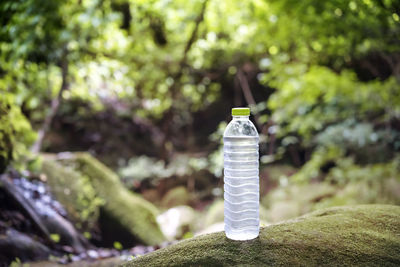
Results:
17 263
318 97
149 51
40 38
55 237
118 245
143 167
345 170
323 103
142 60
187 235
16 134
333 66
317 109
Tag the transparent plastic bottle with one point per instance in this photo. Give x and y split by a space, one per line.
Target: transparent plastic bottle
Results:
241 181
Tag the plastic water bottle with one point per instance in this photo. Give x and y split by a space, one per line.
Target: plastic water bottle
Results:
241 182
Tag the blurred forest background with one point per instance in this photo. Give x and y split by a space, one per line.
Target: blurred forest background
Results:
146 88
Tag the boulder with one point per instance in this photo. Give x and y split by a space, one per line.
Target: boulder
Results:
75 192
176 197
124 216
177 221
365 235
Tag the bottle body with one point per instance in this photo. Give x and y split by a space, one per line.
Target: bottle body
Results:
241 179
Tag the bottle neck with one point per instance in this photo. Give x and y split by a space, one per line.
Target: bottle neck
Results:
240 117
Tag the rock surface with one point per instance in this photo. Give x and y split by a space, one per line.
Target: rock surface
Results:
365 235
14 244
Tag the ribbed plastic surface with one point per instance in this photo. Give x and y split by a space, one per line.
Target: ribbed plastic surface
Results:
241 187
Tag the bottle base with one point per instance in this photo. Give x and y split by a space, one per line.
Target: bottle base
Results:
241 236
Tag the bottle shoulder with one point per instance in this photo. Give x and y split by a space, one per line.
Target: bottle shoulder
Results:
240 128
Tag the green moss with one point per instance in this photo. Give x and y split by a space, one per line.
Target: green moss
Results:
343 236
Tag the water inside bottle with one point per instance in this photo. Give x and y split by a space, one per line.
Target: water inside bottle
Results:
241 187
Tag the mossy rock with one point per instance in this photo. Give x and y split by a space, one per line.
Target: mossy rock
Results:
176 197
122 209
75 192
365 235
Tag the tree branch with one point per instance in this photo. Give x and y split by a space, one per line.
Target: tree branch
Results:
193 36
248 96
168 116
244 84
55 103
